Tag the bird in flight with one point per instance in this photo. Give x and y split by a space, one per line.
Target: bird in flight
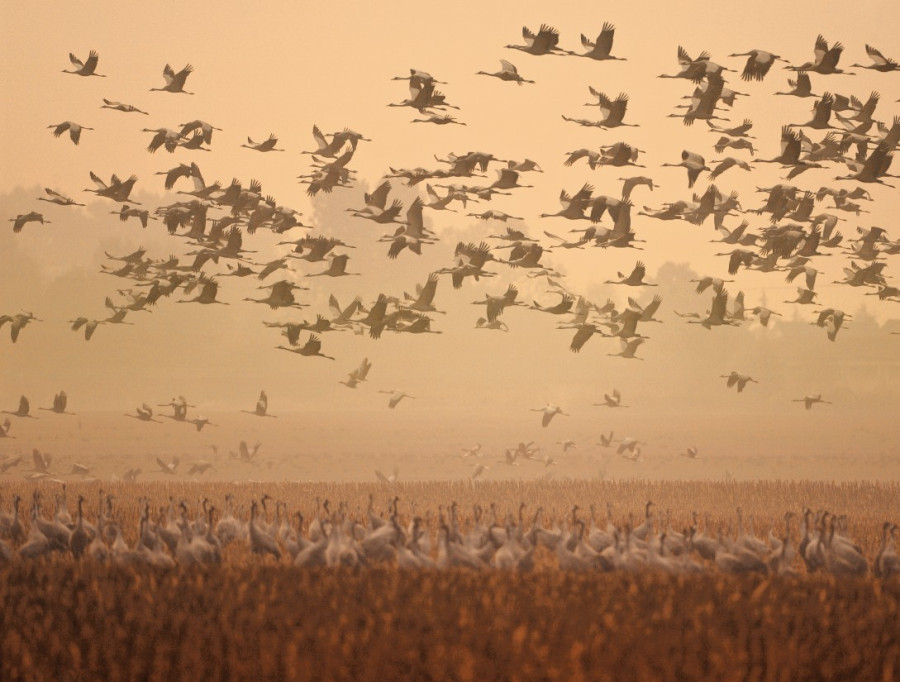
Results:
85 68
396 397
549 411
175 81
810 400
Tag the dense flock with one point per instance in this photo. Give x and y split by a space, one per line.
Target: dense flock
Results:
788 235
521 539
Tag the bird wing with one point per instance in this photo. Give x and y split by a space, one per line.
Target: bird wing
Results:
574 156
414 219
379 196
820 49
619 105
313 345
604 101
832 56
426 295
585 331
638 273
547 37
604 43
878 58
363 370
719 304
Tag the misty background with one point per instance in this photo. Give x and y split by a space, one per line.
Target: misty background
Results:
470 385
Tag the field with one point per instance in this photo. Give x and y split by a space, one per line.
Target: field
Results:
258 617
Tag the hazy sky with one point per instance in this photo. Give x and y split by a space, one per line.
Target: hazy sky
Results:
282 67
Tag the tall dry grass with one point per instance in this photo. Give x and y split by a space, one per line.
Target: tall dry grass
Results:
254 618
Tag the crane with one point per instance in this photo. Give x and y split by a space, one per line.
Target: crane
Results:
73 128
548 411
175 81
507 72
87 67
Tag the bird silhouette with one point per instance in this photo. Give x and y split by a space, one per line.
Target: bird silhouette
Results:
810 400
73 128
85 68
396 397
507 72
23 219
262 406
599 49
739 380
60 401
175 81
548 412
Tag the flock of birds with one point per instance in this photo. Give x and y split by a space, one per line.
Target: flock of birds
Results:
626 447
792 229
334 537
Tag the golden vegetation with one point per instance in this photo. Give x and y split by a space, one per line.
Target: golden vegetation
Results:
261 618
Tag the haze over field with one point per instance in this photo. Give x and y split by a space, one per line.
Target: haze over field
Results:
287 68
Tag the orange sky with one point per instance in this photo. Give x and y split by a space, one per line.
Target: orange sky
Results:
286 67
